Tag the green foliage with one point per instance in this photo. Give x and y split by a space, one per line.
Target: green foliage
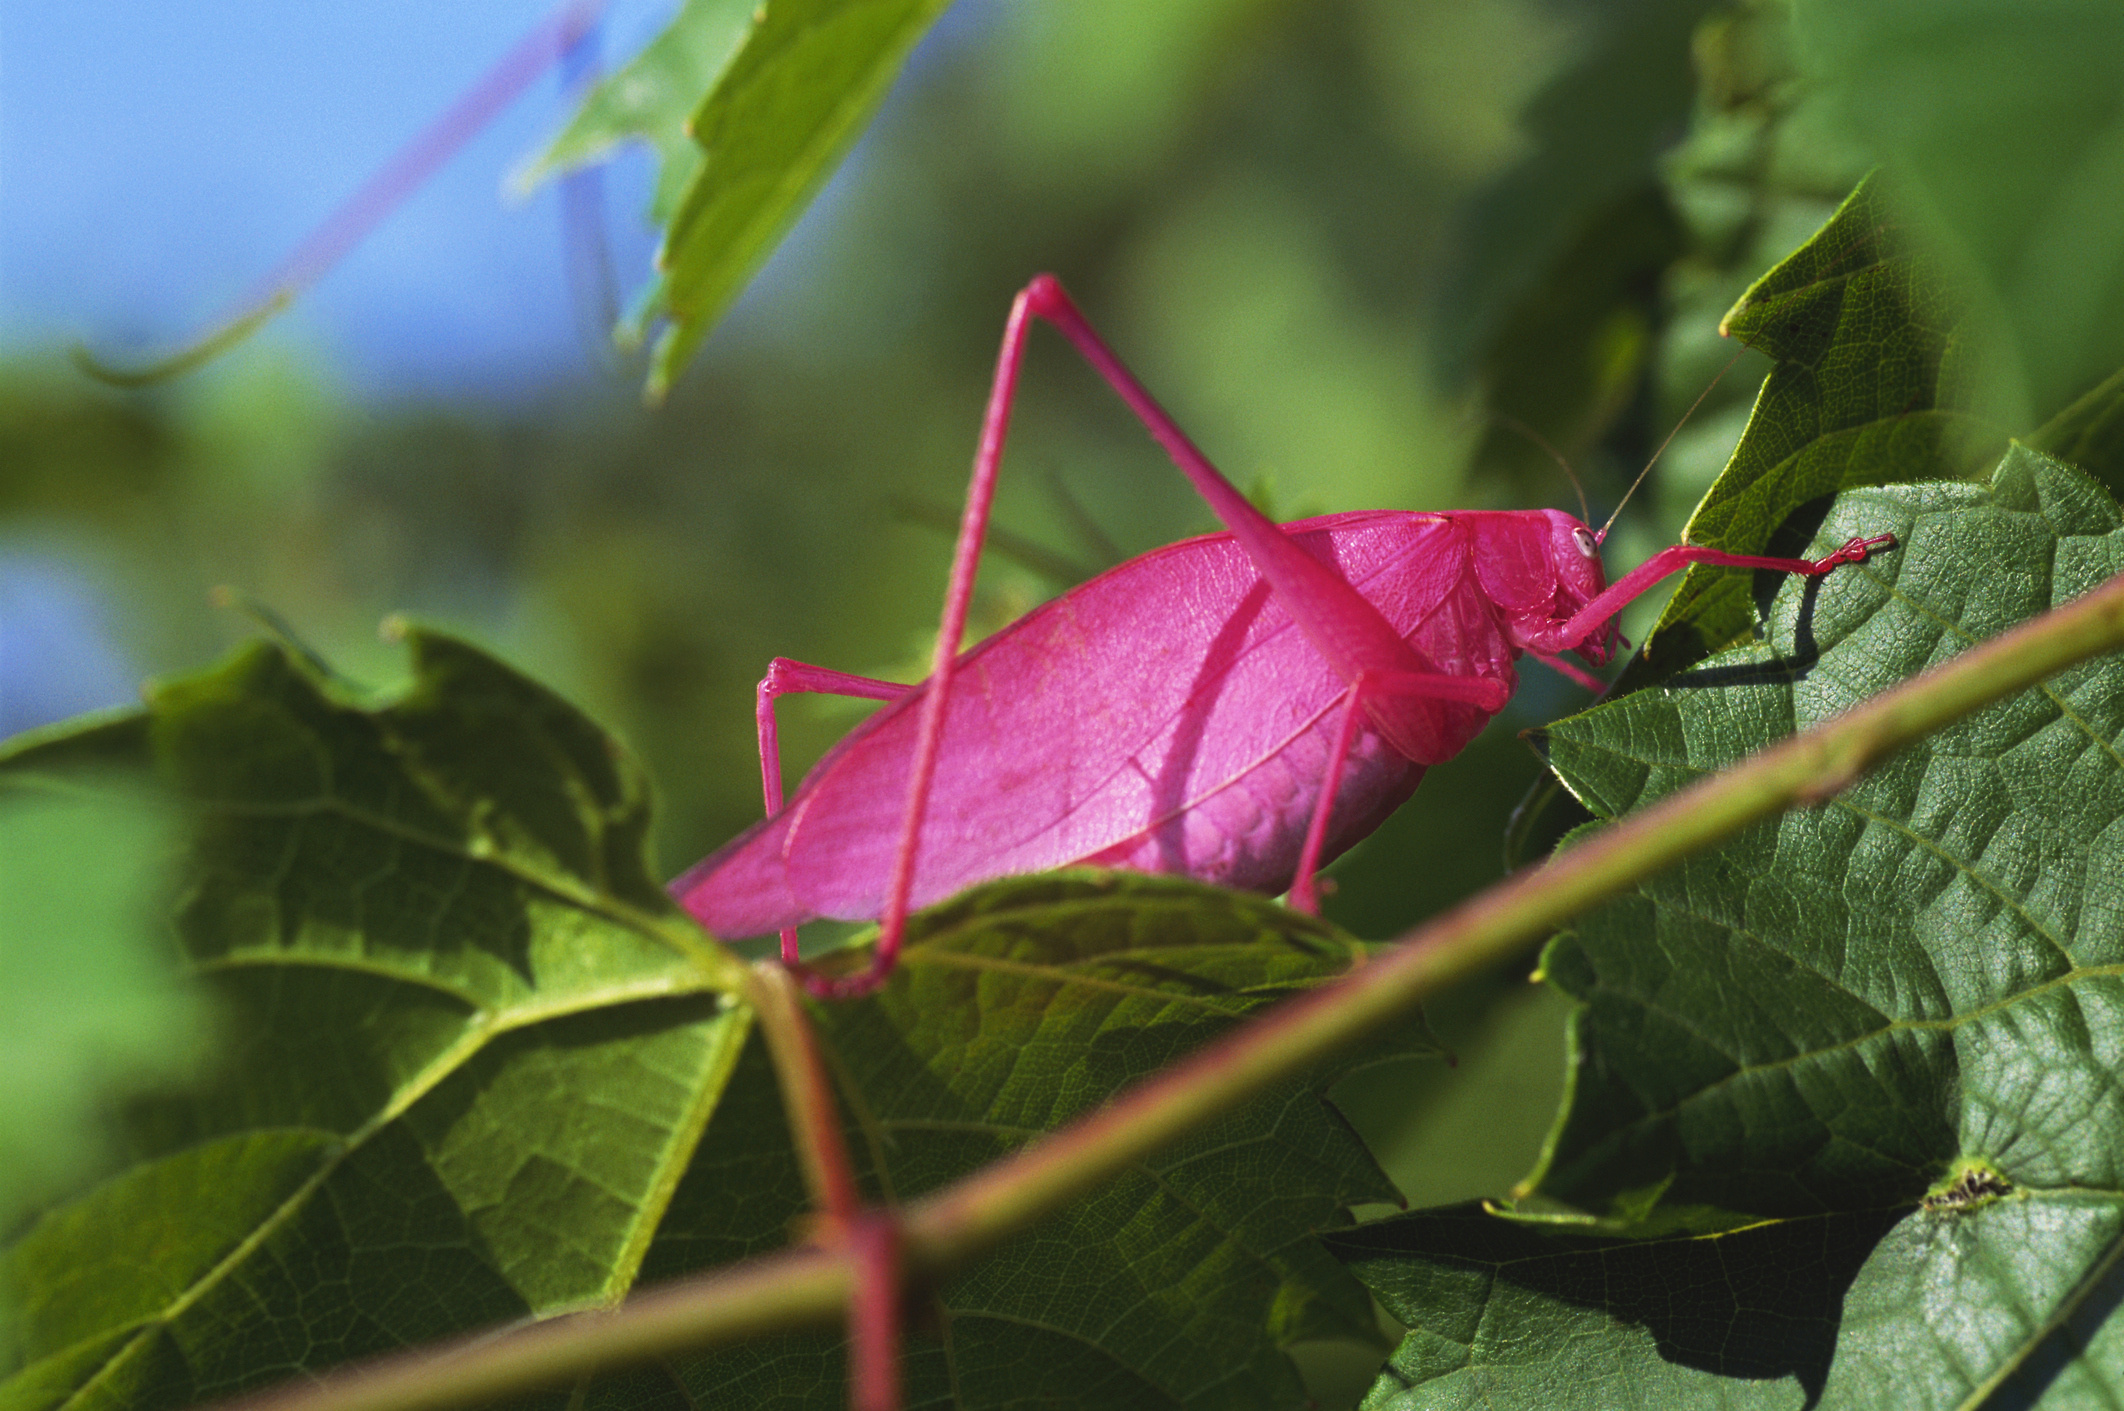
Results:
87 1001
779 110
1017 1008
470 1041
1864 389
651 98
480 1068
2005 129
1548 296
1791 1053
2090 433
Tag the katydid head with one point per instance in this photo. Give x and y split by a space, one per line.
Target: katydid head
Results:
1539 569
1574 557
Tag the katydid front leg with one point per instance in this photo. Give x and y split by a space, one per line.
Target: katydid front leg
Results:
1588 622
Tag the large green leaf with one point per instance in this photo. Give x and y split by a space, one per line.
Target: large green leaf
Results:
1017 1008
470 1042
1855 1071
481 1069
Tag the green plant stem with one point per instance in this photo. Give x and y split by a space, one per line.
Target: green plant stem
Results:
945 1230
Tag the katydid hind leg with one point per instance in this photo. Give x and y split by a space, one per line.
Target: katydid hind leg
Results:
787 678
1348 631
951 631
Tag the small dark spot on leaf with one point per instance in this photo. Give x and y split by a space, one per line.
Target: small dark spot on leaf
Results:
1977 1186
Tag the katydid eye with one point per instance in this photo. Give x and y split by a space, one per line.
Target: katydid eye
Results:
1586 544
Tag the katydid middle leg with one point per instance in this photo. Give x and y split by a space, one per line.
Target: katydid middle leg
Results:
1597 613
786 678
1482 692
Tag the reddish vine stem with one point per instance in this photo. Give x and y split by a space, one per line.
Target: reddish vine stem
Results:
871 1237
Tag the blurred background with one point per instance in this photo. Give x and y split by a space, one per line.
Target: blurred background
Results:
1352 244
1334 237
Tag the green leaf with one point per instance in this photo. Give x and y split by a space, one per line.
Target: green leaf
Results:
2090 433
471 1042
1842 1092
1016 1008
650 98
1868 377
2004 127
1866 388
809 74
1875 1308
1859 978
89 1000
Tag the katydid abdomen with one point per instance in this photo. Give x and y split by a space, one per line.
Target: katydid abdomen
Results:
1166 716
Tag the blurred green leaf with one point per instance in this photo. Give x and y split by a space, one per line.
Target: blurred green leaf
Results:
1898 999
1568 359
1597 129
809 74
2090 433
90 1003
651 97
472 1043
1016 1008
2004 128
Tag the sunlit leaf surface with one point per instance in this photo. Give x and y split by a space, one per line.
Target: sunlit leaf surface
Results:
469 1044
808 76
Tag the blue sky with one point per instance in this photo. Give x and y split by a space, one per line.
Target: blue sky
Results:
158 160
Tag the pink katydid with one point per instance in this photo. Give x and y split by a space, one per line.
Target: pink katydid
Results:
1239 708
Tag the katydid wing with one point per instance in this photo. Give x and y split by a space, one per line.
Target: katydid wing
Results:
1238 708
